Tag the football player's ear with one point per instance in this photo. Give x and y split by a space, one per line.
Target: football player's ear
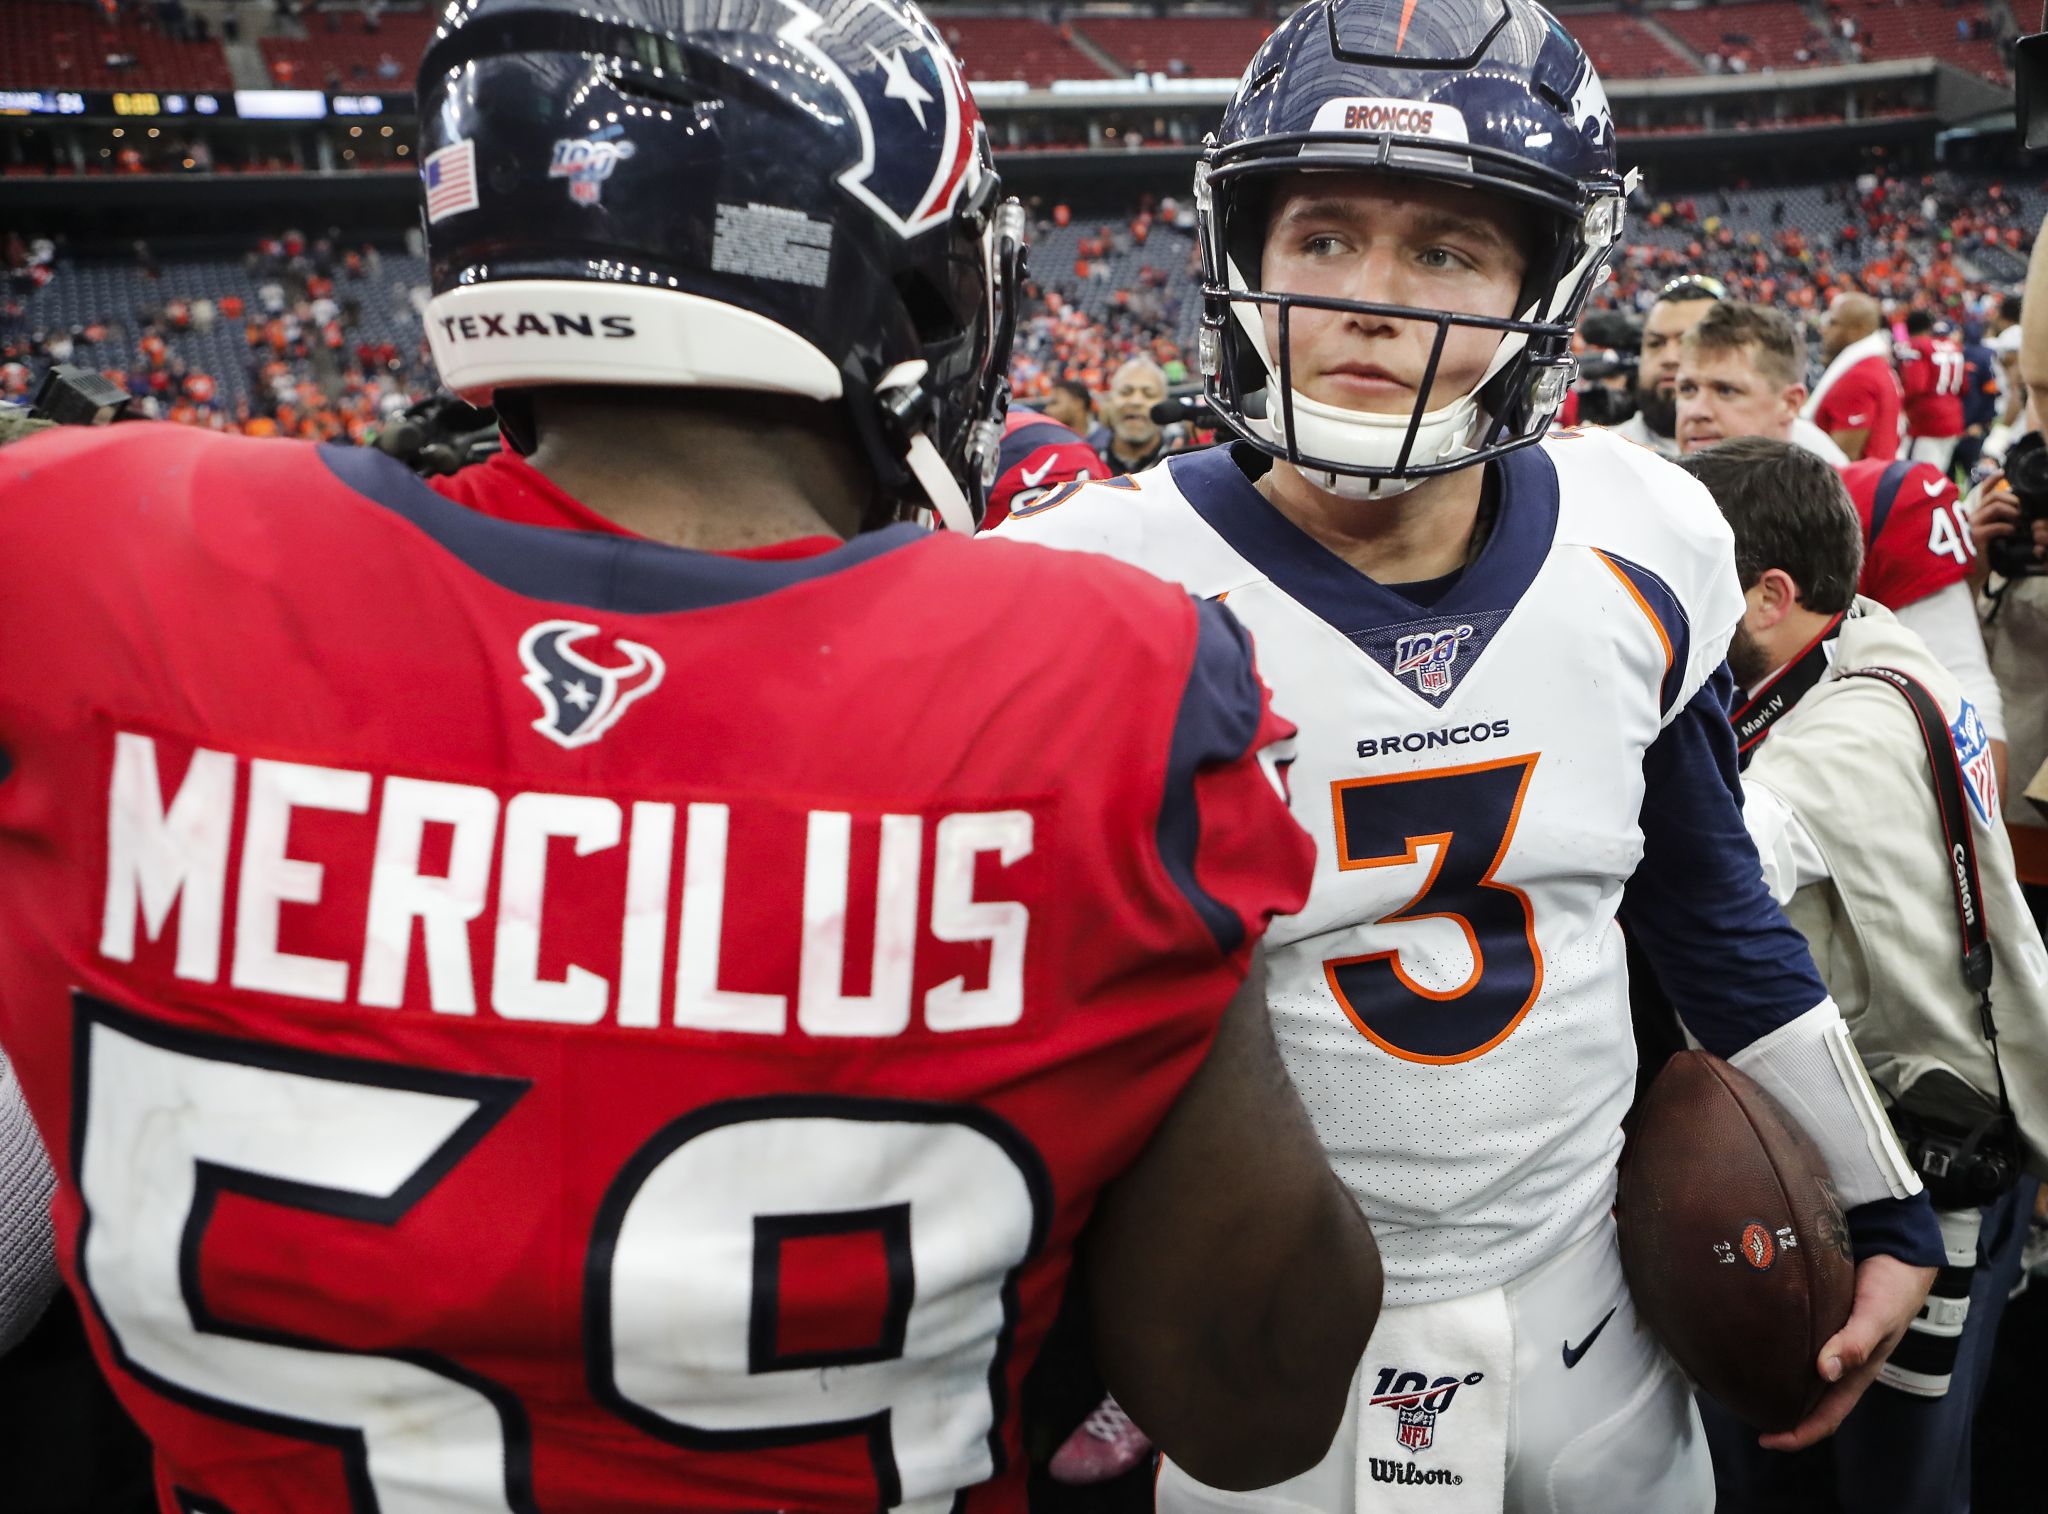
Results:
1777 593
1794 397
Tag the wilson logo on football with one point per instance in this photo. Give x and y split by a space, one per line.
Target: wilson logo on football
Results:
581 699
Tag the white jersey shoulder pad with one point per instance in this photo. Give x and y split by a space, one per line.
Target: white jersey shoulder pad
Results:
1628 503
1142 519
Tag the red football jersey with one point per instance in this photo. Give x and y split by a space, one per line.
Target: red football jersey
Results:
1931 376
1038 455
1865 397
530 1019
1915 538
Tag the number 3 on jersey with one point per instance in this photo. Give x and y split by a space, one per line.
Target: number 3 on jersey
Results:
1459 821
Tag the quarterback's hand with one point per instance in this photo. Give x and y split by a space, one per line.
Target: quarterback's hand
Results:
1889 1293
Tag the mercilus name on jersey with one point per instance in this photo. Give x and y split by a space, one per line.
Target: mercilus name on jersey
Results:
177 854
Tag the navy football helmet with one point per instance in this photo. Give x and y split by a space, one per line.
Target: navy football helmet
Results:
783 196
1488 95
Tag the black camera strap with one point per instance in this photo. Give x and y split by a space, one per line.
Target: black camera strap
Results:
1754 717
1961 848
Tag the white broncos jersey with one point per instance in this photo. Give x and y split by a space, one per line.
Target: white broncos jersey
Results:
1453 1002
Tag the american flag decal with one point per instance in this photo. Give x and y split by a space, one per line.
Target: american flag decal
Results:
450 175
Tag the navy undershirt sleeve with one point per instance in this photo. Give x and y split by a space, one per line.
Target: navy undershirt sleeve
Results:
1724 952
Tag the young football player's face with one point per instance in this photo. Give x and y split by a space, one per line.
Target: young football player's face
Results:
1366 237
1724 394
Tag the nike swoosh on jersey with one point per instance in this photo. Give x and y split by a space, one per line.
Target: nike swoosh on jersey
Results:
1571 1355
1031 479
1934 487
1855 420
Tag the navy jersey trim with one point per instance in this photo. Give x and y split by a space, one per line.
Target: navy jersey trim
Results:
1886 496
1213 482
1018 445
1670 616
1219 716
621 574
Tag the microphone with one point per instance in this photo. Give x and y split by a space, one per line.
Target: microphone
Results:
1179 408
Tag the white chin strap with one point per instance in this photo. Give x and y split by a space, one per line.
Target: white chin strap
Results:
939 485
1356 436
1363 439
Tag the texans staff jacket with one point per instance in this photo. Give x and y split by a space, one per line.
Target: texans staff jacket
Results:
1483 763
533 1019
1866 879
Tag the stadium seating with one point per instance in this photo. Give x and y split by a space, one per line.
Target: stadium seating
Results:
1219 47
1621 47
1766 34
351 52
1925 30
59 44
1015 47
119 294
1198 47
1056 249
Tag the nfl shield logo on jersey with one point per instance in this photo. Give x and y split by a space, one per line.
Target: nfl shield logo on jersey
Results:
1418 1427
1429 655
581 699
1418 1401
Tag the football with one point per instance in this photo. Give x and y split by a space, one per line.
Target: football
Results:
1733 1241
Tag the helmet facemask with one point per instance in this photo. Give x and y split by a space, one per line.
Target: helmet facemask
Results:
1366 455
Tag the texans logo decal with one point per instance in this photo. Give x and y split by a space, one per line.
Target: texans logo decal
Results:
911 95
582 699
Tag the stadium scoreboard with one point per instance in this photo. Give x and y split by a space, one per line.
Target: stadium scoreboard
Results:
236 104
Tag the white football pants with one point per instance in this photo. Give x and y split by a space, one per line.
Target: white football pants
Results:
1938 450
1615 1432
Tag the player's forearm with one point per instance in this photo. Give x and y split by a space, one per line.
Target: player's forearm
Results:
1903 1228
1734 968
1244 1397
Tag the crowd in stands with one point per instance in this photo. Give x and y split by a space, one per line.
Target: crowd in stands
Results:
331 344
109 44
307 361
1931 241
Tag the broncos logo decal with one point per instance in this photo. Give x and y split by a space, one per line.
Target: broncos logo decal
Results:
581 699
904 88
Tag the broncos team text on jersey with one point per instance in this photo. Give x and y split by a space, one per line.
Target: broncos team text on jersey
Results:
532 1019
1483 765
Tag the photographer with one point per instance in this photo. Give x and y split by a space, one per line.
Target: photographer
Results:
1919 928
1680 306
2009 527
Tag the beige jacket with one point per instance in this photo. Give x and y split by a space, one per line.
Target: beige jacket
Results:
1849 764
